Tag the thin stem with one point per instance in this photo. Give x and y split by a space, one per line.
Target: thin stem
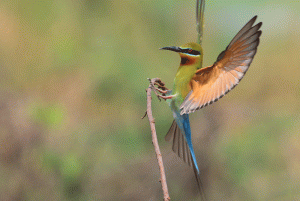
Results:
200 19
162 180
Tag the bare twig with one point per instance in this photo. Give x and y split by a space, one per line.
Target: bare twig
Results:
154 139
144 115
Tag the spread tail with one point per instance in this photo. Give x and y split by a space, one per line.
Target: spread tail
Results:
182 146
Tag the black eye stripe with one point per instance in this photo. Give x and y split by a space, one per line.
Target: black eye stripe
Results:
190 51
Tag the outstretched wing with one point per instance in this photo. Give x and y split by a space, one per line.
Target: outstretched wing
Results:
211 83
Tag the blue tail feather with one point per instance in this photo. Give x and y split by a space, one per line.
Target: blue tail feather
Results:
184 125
180 132
188 137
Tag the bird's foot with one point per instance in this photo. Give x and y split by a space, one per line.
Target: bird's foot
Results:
160 88
165 97
161 91
161 85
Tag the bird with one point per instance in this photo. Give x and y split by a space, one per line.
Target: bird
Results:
196 87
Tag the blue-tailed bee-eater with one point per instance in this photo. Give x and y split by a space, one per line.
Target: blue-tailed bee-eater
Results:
196 87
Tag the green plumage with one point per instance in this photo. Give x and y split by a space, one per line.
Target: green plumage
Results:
186 71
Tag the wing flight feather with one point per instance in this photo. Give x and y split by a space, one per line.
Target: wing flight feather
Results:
211 83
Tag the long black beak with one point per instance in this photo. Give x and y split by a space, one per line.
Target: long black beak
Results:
172 48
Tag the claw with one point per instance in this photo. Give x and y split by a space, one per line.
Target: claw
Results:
161 85
161 91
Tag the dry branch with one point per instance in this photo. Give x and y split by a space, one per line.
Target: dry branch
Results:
162 180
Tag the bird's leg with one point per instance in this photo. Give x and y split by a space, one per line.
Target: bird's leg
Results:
161 91
166 97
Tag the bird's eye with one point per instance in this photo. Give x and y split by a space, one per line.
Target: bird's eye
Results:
190 50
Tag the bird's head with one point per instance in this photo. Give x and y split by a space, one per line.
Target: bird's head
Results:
190 53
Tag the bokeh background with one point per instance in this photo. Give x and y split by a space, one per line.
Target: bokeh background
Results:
72 94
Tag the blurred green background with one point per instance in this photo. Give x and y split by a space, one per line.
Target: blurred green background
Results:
72 94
